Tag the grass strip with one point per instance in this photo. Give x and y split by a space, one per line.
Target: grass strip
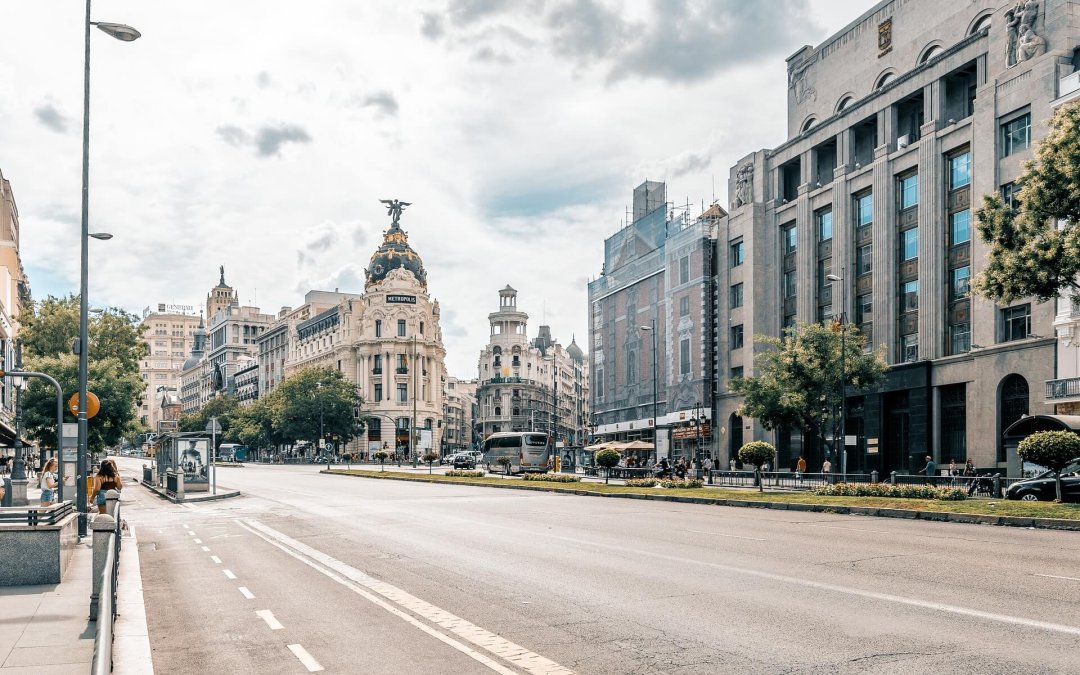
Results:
980 507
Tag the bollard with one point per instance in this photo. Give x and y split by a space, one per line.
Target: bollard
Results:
102 526
892 478
112 503
997 486
874 476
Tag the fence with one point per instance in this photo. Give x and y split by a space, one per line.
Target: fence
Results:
36 515
107 540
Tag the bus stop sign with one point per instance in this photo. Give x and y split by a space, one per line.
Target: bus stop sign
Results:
93 405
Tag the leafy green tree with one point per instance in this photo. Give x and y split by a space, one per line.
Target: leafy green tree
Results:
608 458
505 461
1053 449
382 455
253 425
224 408
52 326
757 453
799 377
429 457
313 395
1035 248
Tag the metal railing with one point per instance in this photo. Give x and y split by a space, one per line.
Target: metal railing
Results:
785 479
105 600
36 515
1065 388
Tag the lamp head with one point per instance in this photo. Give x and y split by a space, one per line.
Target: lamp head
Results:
120 31
833 277
100 236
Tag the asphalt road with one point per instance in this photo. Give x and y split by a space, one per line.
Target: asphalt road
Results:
366 576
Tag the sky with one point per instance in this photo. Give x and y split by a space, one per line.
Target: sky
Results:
262 135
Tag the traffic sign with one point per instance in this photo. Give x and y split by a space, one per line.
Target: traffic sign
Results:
213 426
329 446
93 405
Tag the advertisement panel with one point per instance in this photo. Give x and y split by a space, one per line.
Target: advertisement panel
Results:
192 456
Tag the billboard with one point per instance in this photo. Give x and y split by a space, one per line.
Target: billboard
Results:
192 455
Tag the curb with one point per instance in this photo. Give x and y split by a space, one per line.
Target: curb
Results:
189 500
131 653
939 516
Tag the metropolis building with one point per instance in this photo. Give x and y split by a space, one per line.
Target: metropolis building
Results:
897 126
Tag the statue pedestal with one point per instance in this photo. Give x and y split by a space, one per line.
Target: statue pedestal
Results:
18 492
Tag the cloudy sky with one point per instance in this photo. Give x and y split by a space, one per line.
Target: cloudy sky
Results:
261 135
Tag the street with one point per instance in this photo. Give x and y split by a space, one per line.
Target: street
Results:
352 575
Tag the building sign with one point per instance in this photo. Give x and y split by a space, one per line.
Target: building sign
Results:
685 433
401 299
165 308
884 37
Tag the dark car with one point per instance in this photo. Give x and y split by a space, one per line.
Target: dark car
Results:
464 461
1042 488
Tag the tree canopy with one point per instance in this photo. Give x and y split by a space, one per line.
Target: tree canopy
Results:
798 381
1035 246
1053 449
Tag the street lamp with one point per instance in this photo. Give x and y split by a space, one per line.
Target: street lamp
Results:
124 34
843 354
656 432
322 432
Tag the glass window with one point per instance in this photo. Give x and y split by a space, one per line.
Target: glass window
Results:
736 296
909 244
401 327
377 365
378 327
684 356
378 393
737 337
864 259
959 171
909 296
864 308
791 239
684 306
959 228
1015 323
909 191
825 313
791 284
864 209
789 321
684 269
909 348
737 372
960 338
736 253
959 283
1010 194
824 220
1016 135
403 393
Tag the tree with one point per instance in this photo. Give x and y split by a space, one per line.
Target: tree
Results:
429 457
757 453
1035 247
52 325
224 408
608 458
1053 449
253 425
799 378
381 455
314 400
505 461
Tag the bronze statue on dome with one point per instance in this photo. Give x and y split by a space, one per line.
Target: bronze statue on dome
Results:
394 208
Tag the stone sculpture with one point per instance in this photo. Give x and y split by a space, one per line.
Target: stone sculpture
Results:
394 208
744 185
1024 43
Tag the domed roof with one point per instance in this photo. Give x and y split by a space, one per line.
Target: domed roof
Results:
574 352
197 347
395 253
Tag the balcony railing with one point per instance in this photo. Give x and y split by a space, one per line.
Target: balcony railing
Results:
1066 388
402 371
376 371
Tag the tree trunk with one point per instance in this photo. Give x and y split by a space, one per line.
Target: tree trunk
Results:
760 482
1057 484
382 465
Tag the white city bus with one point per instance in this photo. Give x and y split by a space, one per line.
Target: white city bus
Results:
528 451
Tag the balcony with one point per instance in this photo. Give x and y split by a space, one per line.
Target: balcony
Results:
1064 390
376 371
402 370
505 380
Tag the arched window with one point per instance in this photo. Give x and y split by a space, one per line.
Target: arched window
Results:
885 78
930 52
807 124
1013 404
980 24
845 101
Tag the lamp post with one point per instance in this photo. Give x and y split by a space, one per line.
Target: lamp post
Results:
124 34
656 432
843 373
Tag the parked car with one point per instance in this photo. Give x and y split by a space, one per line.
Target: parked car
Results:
1042 488
464 460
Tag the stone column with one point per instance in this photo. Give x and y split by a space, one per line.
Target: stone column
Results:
885 257
103 526
931 249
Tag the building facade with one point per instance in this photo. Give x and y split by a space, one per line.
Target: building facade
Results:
897 126
459 414
651 311
14 299
169 335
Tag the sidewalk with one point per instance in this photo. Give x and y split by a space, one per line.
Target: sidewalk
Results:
46 630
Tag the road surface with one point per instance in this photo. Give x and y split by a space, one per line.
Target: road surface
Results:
350 575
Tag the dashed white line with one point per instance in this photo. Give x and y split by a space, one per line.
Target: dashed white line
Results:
310 663
191 532
186 526
198 541
246 593
268 616
217 560
206 548
229 574
1054 576
721 534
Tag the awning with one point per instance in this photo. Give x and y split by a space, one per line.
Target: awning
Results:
1025 426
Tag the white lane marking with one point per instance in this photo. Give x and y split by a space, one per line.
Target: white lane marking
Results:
885 597
206 548
186 526
356 581
191 532
852 529
268 616
246 593
1054 576
310 663
229 574
721 534
198 541
189 507
217 560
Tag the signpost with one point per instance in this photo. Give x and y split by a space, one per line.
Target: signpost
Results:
214 429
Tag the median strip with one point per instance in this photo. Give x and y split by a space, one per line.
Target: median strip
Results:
988 512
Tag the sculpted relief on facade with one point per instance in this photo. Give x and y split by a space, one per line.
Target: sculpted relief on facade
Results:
1023 42
744 185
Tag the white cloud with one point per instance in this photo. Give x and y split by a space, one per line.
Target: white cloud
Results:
517 129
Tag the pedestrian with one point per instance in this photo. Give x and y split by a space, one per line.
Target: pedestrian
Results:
731 464
953 471
826 470
47 482
800 467
969 468
30 472
107 478
930 469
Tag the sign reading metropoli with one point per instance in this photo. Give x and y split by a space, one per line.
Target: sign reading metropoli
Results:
401 299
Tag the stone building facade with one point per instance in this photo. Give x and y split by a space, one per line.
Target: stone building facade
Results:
459 414
14 298
897 126
169 334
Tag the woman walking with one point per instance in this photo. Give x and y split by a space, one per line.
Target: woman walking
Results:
107 478
47 482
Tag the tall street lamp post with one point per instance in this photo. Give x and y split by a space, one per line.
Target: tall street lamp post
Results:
656 432
124 34
843 371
